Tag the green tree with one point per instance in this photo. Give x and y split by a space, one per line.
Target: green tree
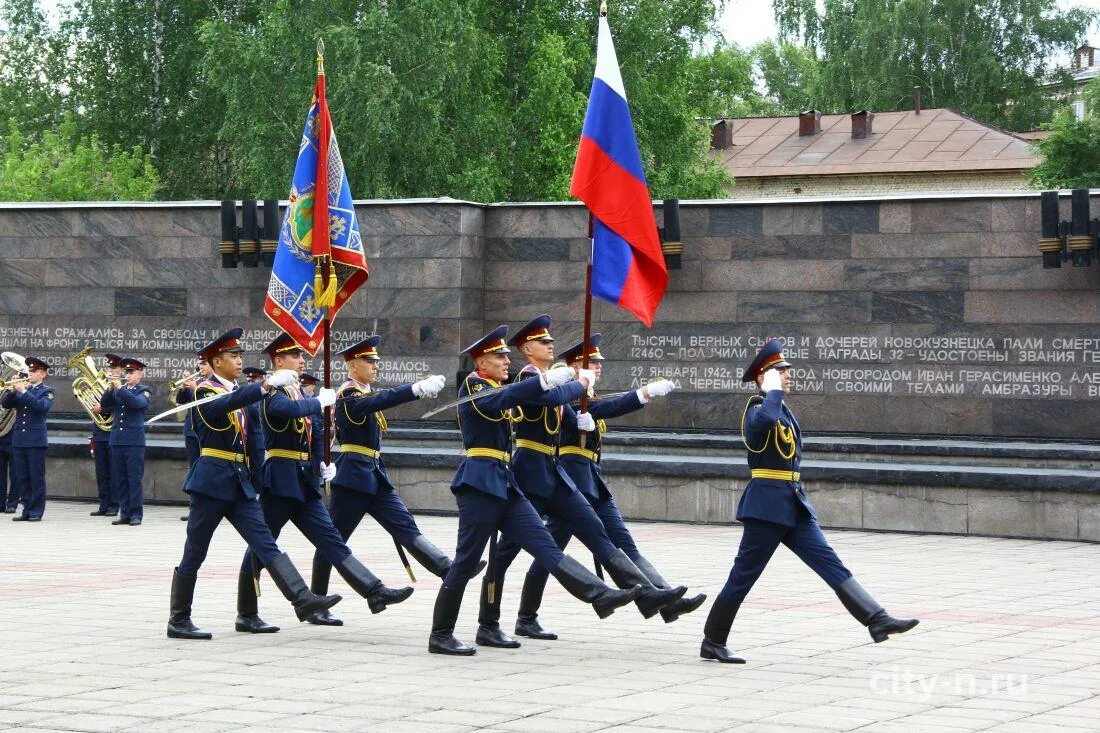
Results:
30 63
65 166
791 74
990 59
1071 154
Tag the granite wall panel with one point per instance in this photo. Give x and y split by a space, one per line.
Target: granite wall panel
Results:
901 316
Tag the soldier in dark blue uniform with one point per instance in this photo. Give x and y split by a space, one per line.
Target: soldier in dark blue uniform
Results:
774 509
185 395
9 489
129 402
361 485
220 487
488 496
293 471
309 384
32 401
253 374
553 493
101 449
579 454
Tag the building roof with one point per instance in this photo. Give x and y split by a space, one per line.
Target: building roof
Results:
936 140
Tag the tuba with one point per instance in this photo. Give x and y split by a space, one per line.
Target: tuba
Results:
90 386
18 366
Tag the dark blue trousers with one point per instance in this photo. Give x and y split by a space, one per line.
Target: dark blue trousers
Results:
312 520
191 445
206 513
9 487
127 471
108 500
612 519
759 542
30 476
348 507
479 515
570 512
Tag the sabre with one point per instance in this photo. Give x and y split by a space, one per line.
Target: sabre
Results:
181 408
464 400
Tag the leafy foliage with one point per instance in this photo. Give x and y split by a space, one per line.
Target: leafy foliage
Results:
65 166
989 59
1071 154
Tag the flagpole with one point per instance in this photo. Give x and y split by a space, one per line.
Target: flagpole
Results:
327 272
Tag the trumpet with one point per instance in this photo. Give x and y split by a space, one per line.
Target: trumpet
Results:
8 383
176 384
17 365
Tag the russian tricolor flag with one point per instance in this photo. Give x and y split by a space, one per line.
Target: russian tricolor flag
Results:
628 267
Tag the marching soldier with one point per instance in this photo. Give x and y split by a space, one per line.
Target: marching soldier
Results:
309 385
552 492
101 450
774 509
361 485
293 429
220 487
32 401
488 496
253 374
185 395
580 457
129 402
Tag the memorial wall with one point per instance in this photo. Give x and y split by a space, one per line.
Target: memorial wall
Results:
922 316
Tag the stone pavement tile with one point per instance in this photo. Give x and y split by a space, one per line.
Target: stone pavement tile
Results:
63 704
1037 725
23 717
600 712
473 719
823 717
549 722
93 722
176 725
904 725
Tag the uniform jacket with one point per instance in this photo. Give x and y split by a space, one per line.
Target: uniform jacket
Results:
129 405
360 424
223 425
584 471
538 424
31 407
774 441
102 436
486 424
293 422
185 396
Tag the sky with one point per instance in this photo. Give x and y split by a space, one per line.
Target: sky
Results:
747 22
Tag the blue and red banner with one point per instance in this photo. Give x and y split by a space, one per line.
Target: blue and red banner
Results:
319 227
628 267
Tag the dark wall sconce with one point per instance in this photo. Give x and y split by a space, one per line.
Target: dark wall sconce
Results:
251 243
671 245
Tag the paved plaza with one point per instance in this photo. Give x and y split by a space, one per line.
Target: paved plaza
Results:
1009 641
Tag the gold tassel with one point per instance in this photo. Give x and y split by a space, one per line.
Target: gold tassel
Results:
318 296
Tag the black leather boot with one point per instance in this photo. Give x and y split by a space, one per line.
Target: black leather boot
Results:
717 630
442 640
530 599
678 608
293 587
367 584
626 574
583 584
868 612
318 583
433 558
489 632
179 619
248 612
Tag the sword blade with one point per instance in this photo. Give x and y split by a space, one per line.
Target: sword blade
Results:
181 408
467 398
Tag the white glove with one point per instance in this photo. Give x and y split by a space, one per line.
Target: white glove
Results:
771 381
328 471
429 386
326 397
588 376
283 378
556 377
659 387
585 422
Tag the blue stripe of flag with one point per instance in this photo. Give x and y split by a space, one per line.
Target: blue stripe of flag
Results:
608 124
611 260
